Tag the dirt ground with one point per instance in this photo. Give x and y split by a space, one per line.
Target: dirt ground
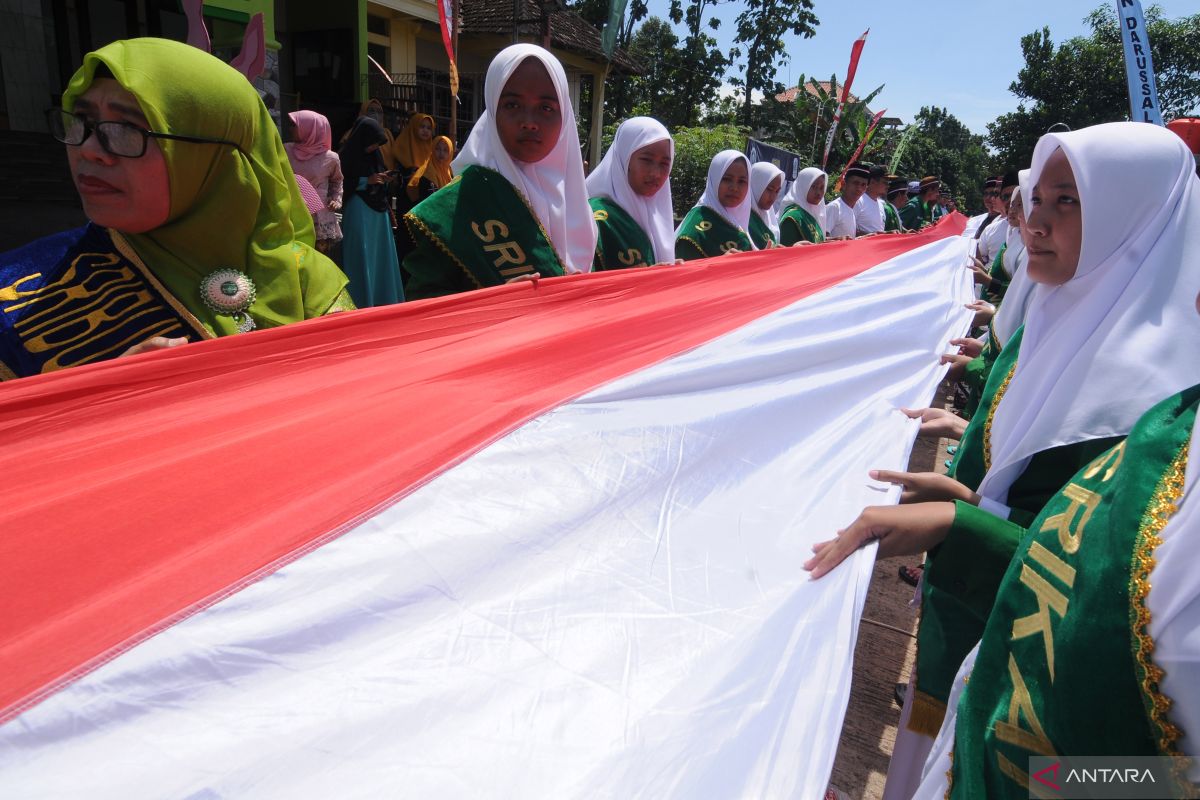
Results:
883 657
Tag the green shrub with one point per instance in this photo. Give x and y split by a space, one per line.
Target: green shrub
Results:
694 151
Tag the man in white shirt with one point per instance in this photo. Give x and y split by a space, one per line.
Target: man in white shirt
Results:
991 193
840 222
995 234
868 211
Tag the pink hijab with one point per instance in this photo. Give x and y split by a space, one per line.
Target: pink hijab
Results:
312 134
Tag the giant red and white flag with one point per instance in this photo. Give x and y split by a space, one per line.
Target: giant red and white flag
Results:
531 541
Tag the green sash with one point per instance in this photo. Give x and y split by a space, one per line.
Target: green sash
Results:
760 234
621 242
476 231
994 293
891 218
1064 665
705 233
797 225
960 579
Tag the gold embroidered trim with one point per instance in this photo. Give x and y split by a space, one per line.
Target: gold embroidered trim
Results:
950 776
1163 504
987 425
342 302
992 335
694 244
927 714
411 219
125 249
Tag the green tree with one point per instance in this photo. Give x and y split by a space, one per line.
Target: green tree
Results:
655 46
619 97
596 12
722 111
701 65
945 147
1081 81
760 30
813 116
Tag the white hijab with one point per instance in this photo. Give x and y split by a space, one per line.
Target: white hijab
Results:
553 187
610 179
761 175
739 217
1020 291
1120 336
798 194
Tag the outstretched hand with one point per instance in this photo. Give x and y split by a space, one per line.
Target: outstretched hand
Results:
968 347
980 272
926 487
984 311
958 363
937 422
900 531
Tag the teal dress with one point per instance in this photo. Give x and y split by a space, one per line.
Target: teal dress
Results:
369 254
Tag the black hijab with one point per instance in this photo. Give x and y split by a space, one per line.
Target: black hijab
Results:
358 163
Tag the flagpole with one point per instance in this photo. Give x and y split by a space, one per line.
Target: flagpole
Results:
861 146
855 53
454 99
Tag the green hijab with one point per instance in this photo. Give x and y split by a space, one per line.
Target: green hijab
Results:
236 208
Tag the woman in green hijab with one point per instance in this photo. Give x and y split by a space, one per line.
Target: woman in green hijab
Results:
197 226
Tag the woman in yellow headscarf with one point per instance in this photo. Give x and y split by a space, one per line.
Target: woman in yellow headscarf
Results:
434 173
197 226
414 144
412 148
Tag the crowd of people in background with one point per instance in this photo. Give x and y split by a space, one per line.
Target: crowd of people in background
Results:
522 164
1080 379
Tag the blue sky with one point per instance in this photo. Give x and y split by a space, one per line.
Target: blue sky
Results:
973 49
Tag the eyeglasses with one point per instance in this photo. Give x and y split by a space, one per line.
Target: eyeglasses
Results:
123 139
991 194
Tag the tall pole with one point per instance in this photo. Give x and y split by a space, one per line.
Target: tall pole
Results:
454 99
597 133
812 151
